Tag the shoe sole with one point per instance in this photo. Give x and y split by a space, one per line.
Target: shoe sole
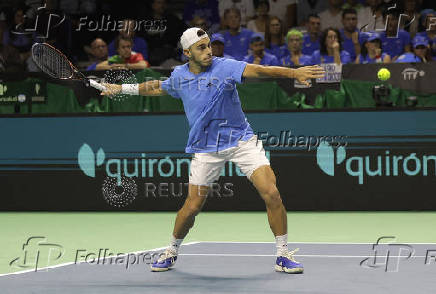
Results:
159 269
297 270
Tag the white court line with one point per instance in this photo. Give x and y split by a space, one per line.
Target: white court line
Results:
102 258
296 255
321 243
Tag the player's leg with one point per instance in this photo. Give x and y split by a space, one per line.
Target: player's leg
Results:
251 158
204 170
186 216
264 180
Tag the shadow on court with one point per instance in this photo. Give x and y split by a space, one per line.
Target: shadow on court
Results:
211 267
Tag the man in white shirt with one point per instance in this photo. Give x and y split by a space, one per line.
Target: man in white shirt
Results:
245 6
286 10
332 17
370 17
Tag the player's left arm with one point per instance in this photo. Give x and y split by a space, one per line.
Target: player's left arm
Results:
302 74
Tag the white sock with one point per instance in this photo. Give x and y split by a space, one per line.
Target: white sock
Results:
175 244
282 245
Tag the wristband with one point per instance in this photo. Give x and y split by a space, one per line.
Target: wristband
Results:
130 89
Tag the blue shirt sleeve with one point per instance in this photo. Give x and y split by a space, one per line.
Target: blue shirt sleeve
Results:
406 38
92 66
345 57
247 59
275 61
111 49
234 69
170 86
316 58
141 47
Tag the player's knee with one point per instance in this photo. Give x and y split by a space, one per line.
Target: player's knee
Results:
271 196
193 209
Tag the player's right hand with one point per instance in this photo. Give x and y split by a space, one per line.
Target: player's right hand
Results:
111 89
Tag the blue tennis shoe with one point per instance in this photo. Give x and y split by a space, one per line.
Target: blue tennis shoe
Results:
288 264
166 260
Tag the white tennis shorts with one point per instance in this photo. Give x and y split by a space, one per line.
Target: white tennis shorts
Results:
248 156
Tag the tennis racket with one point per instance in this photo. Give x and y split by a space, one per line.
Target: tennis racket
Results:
54 63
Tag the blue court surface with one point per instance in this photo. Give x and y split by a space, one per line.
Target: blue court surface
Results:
237 267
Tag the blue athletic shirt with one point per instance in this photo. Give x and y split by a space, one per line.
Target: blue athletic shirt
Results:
348 45
394 46
304 60
308 46
211 104
366 59
317 58
238 45
267 59
408 57
278 51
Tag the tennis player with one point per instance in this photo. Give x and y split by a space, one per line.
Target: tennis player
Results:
219 132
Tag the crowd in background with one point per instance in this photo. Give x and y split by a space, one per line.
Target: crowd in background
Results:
111 34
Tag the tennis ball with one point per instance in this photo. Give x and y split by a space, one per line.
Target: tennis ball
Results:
383 74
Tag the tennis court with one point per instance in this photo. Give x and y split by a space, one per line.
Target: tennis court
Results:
224 253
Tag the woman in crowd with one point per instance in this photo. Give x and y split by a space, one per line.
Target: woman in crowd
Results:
330 49
294 39
371 50
275 38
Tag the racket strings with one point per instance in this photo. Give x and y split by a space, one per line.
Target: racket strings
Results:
51 62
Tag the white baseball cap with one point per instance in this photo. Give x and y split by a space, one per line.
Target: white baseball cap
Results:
191 36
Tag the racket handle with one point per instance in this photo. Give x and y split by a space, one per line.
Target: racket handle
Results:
96 85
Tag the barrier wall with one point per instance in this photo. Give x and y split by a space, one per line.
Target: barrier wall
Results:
330 160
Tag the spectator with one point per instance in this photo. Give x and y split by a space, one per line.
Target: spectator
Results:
371 51
421 51
126 58
259 23
394 41
217 43
15 36
311 38
331 49
350 33
128 31
98 53
295 57
285 10
410 19
200 22
237 38
16 42
306 8
332 16
275 38
163 36
370 18
205 9
245 7
428 28
258 55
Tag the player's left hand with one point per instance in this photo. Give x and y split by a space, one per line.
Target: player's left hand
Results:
302 74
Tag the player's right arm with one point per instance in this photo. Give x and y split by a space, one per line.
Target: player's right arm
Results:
149 88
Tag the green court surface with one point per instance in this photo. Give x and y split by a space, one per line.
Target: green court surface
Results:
134 231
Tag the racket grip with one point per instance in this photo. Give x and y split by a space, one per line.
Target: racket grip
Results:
96 85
